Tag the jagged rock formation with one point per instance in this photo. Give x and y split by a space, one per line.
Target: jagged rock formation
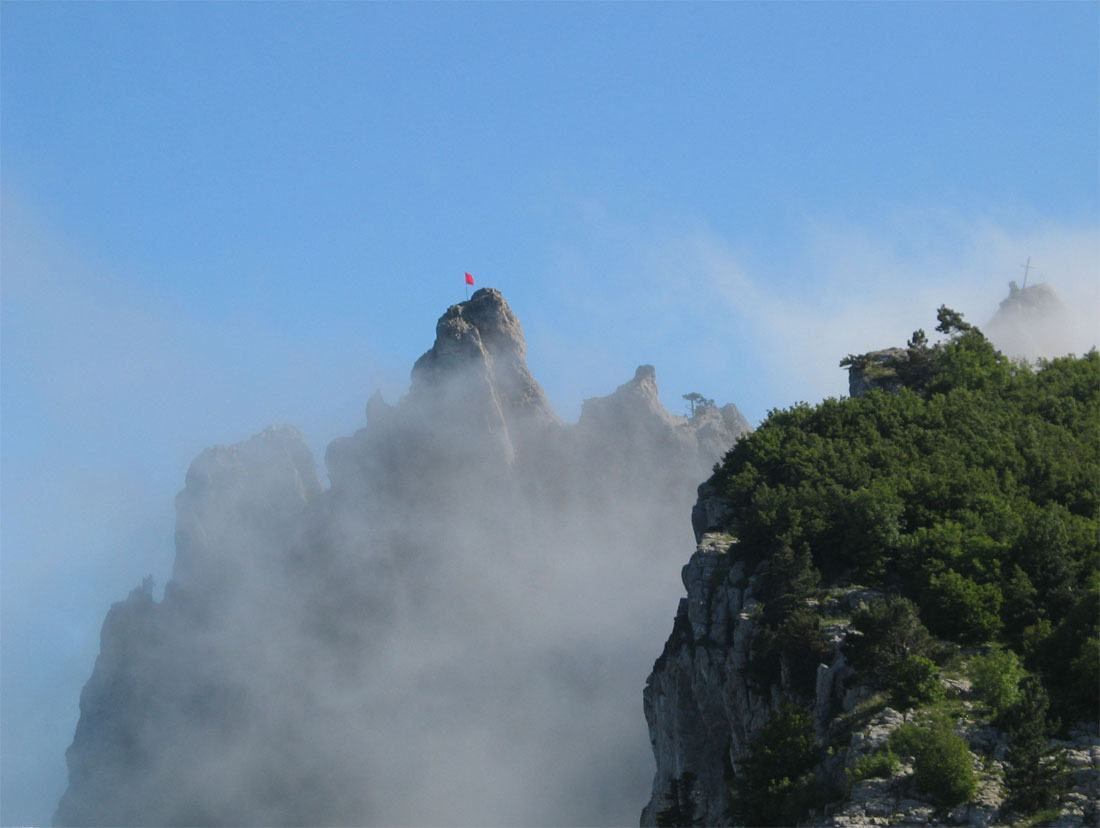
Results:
174 728
240 504
452 633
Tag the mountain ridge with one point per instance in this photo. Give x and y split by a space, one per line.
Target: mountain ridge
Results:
361 653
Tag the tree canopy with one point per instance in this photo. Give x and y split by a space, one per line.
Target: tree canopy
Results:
973 492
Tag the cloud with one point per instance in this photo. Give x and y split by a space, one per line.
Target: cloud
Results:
859 290
111 385
767 327
118 387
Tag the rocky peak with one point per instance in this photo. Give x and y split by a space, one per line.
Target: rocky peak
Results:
488 313
634 401
645 381
1039 299
1032 322
480 342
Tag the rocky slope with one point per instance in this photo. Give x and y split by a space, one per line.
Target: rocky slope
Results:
452 633
704 708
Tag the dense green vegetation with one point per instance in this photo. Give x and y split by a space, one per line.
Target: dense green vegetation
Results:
969 494
776 784
973 492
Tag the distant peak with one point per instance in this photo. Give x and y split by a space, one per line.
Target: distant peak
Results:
1033 322
644 382
497 326
1037 298
481 341
481 328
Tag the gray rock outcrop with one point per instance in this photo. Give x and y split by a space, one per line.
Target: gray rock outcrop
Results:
182 721
875 371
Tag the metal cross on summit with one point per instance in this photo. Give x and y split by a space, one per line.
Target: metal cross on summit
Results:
1026 267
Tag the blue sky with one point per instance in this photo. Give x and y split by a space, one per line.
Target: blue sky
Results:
218 216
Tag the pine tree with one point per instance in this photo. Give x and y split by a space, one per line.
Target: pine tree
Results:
1037 774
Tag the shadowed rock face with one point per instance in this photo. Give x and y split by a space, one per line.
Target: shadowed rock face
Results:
455 632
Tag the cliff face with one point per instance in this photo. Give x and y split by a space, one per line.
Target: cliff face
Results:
452 633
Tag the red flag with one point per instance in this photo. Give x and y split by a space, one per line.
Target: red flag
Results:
469 279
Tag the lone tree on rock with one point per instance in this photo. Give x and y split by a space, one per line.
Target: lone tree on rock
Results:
698 402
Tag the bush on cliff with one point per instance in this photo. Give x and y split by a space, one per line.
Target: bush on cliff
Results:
961 610
996 678
914 680
889 630
942 766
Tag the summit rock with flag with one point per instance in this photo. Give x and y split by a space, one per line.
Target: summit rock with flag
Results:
469 279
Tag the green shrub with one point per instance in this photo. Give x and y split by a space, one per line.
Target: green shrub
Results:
890 630
957 608
942 765
996 678
914 681
774 784
1069 658
907 740
804 646
874 766
944 768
